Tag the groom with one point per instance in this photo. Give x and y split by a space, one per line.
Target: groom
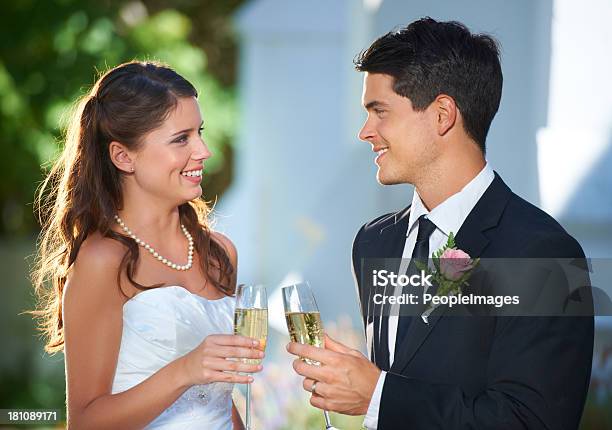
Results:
431 90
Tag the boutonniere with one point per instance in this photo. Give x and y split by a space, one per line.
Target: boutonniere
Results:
452 269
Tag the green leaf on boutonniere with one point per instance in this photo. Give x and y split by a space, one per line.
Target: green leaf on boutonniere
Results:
450 243
421 266
436 261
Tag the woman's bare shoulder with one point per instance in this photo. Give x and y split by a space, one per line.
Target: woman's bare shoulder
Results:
99 255
93 274
228 245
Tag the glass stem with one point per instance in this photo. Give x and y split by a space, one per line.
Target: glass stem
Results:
327 420
248 407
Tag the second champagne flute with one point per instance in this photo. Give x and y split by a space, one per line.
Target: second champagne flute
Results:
251 320
304 323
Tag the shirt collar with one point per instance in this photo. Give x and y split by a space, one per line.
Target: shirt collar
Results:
449 215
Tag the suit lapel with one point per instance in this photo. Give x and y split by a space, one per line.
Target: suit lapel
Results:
472 239
390 245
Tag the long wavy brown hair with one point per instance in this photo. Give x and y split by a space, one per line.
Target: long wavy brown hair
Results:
82 192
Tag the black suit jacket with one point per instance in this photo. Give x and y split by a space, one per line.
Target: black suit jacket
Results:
484 372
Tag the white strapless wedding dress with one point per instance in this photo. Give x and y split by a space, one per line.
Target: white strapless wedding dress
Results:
161 325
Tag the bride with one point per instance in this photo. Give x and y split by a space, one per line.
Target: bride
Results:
136 288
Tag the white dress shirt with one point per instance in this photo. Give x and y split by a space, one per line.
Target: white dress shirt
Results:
448 217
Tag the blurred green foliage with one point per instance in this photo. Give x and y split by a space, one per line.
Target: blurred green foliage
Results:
597 412
28 377
52 51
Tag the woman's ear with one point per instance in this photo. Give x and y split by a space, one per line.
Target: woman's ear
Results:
121 157
446 110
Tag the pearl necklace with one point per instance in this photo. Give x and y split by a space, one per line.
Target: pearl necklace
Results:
155 253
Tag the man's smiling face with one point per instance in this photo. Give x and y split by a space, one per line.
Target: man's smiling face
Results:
403 138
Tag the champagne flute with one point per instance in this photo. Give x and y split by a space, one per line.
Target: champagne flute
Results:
304 323
251 320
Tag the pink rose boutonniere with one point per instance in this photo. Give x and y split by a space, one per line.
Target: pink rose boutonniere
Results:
454 263
452 269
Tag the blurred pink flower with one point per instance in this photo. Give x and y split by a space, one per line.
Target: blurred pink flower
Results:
454 263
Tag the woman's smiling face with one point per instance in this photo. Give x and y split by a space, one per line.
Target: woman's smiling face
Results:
169 163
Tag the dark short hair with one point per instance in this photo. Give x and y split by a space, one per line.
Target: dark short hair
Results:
428 58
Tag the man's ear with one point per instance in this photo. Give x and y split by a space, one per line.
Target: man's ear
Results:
121 157
446 113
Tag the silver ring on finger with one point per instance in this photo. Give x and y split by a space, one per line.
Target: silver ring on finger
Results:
313 390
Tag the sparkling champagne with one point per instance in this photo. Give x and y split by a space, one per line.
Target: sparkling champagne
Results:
252 323
306 327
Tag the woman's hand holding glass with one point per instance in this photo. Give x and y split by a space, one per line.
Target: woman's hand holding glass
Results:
220 358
